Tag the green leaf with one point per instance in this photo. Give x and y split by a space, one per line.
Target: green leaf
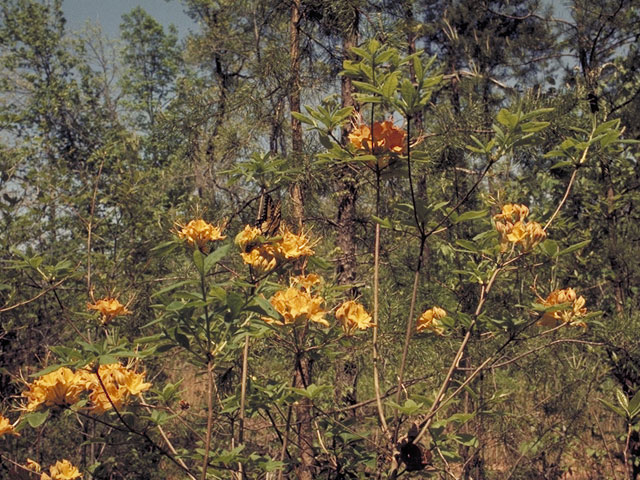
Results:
390 85
182 340
304 118
266 307
384 222
215 257
466 439
409 408
165 248
506 118
325 140
471 215
468 245
198 260
575 247
550 248
531 127
560 164
35 419
622 400
634 405
617 410
367 87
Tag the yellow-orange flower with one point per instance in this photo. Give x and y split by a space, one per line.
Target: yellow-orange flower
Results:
62 470
118 383
59 388
387 138
5 427
571 313
33 466
262 259
108 308
247 236
513 229
199 233
64 388
353 316
293 246
432 320
297 304
264 254
306 282
513 212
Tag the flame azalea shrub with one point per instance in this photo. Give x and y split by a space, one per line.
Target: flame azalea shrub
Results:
431 320
353 316
386 139
108 308
252 322
199 234
64 388
566 308
264 255
6 428
297 304
513 229
61 470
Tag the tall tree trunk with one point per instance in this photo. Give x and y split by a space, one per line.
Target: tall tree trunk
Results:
294 106
303 410
303 373
347 189
346 268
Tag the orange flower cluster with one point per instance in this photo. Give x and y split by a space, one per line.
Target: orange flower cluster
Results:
513 229
119 382
62 470
387 138
264 254
6 427
432 320
571 313
353 316
296 304
108 308
199 233
63 388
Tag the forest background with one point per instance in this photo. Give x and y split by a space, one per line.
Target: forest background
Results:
397 143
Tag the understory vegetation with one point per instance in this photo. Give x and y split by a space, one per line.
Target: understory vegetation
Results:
321 240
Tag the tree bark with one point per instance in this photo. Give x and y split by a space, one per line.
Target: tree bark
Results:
294 106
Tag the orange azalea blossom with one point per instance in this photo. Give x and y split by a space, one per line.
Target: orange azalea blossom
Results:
199 233
294 246
306 282
264 254
64 388
118 384
512 212
5 427
33 466
387 138
247 236
432 320
62 470
60 388
297 305
353 316
570 314
108 308
513 229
